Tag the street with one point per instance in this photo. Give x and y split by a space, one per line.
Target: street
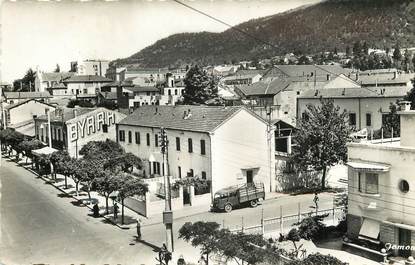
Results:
39 224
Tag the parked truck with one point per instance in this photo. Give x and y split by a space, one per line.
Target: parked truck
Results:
236 196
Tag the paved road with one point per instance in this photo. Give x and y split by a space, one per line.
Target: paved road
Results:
39 225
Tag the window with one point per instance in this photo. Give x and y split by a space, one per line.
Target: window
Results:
175 91
148 139
105 128
156 140
178 143
190 173
368 119
352 119
404 186
202 147
203 175
122 135
130 137
190 143
59 134
372 186
179 171
137 137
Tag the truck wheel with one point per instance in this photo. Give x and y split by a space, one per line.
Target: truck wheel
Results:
253 203
228 208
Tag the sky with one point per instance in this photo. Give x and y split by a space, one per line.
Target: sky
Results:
40 34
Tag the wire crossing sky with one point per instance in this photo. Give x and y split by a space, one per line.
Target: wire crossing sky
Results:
48 33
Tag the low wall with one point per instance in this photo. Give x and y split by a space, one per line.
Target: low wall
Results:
138 206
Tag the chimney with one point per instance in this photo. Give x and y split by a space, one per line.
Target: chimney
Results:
404 105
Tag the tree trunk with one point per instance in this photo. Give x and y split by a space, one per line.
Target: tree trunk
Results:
122 211
76 188
207 258
323 179
66 181
106 204
89 191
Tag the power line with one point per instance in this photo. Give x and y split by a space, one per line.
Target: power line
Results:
226 24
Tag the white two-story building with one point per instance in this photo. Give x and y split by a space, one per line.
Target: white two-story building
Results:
381 191
209 142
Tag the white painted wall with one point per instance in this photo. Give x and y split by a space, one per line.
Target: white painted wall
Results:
27 110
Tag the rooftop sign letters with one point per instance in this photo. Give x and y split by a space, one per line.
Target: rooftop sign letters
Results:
86 126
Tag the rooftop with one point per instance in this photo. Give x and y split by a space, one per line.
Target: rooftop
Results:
143 89
56 76
118 83
26 95
304 70
377 92
11 106
68 114
87 79
200 119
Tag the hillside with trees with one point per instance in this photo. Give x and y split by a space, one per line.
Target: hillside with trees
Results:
330 25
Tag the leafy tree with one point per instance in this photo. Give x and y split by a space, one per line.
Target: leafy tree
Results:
357 49
106 185
62 164
91 170
203 235
78 173
303 60
321 137
348 51
318 259
57 69
101 150
294 237
199 86
26 83
124 162
397 55
28 145
391 122
130 186
311 227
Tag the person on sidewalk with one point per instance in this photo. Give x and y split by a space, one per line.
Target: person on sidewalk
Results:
138 229
181 261
95 210
115 211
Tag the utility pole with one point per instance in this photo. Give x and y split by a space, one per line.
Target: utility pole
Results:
269 112
168 213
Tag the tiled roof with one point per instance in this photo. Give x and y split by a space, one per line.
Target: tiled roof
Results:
58 86
238 75
26 128
118 83
142 89
148 71
56 76
12 106
264 87
378 92
87 79
385 79
304 70
26 95
68 114
86 96
202 118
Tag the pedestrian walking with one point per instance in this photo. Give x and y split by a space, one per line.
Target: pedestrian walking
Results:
115 211
181 261
138 229
95 209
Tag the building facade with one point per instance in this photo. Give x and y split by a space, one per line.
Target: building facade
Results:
85 84
71 129
208 142
380 201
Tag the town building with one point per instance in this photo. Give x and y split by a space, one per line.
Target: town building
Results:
45 81
71 129
90 67
208 142
367 108
85 84
243 77
305 71
17 97
380 193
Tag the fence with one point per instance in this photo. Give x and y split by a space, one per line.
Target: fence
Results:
284 223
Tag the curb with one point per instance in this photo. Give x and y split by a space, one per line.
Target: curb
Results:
72 196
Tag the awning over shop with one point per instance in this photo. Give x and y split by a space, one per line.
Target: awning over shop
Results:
370 228
44 151
369 167
250 167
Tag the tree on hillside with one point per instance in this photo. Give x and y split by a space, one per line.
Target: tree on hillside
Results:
320 140
199 86
397 56
203 235
130 186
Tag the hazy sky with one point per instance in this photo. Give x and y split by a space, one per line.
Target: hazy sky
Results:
36 33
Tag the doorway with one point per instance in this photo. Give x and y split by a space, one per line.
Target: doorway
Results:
405 240
249 177
186 196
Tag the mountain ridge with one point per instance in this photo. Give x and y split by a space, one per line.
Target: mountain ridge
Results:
308 29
